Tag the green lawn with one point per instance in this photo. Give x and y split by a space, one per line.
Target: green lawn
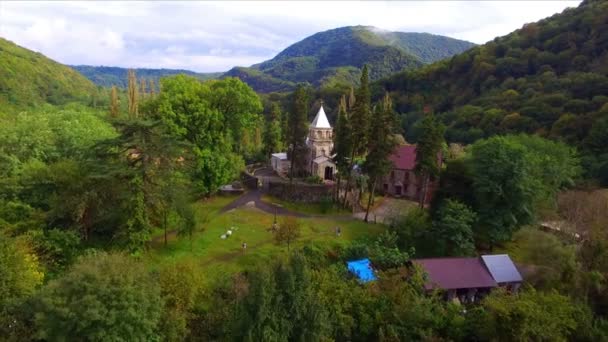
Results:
308 208
250 225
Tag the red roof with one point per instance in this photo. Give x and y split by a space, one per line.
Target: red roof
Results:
456 273
404 157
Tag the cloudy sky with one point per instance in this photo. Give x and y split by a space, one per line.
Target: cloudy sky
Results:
214 36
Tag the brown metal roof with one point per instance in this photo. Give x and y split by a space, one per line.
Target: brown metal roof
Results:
456 273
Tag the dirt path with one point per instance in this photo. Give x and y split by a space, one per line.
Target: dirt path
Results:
255 196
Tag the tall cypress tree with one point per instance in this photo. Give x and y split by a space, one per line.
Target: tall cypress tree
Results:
272 132
297 129
351 99
359 121
114 107
428 151
132 92
360 116
342 144
377 163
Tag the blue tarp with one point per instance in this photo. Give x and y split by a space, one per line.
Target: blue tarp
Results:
362 269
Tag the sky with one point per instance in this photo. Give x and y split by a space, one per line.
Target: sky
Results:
215 36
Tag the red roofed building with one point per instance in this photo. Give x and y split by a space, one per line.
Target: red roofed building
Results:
469 278
402 181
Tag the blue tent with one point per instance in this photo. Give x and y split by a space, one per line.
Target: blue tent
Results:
362 270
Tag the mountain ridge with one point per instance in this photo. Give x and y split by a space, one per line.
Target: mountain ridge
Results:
30 78
337 55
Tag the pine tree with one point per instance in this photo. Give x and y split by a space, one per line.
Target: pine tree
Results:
272 132
359 121
114 107
297 130
351 99
142 87
152 87
428 151
342 144
377 163
132 92
360 116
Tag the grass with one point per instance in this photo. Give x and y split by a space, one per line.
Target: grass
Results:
218 257
377 201
308 208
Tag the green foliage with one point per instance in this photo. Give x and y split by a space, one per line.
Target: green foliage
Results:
50 133
114 76
20 272
273 133
103 297
181 287
512 175
281 305
429 153
297 130
210 116
384 253
28 78
361 116
452 229
548 77
554 262
529 315
412 231
58 248
288 231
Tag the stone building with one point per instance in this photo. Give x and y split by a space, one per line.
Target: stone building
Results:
319 143
402 180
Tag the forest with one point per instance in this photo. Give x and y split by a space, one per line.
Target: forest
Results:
110 216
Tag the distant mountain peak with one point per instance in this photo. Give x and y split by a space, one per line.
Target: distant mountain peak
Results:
338 54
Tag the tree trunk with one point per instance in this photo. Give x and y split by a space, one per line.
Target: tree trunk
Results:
369 200
337 199
346 193
422 197
291 166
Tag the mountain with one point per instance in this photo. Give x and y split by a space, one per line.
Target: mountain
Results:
28 78
337 56
548 78
108 76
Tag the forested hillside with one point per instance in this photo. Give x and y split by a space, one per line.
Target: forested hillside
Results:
114 76
29 78
337 56
550 78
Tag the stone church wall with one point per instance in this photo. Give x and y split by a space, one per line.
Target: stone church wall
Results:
299 192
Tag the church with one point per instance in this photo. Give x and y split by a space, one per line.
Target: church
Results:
320 144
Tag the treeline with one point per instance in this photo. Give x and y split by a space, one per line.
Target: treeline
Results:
309 294
548 78
105 76
77 180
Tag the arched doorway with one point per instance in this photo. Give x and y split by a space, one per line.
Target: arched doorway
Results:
329 173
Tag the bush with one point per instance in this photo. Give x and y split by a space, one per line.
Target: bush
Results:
325 204
314 180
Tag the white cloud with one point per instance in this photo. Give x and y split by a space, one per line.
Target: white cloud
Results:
214 36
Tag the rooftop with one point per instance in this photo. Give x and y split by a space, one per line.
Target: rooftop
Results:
501 268
280 155
320 121
404 157
456 273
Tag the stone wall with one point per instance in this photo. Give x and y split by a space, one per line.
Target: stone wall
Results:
298 192
249 181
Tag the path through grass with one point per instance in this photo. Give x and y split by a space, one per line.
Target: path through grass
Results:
250 225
